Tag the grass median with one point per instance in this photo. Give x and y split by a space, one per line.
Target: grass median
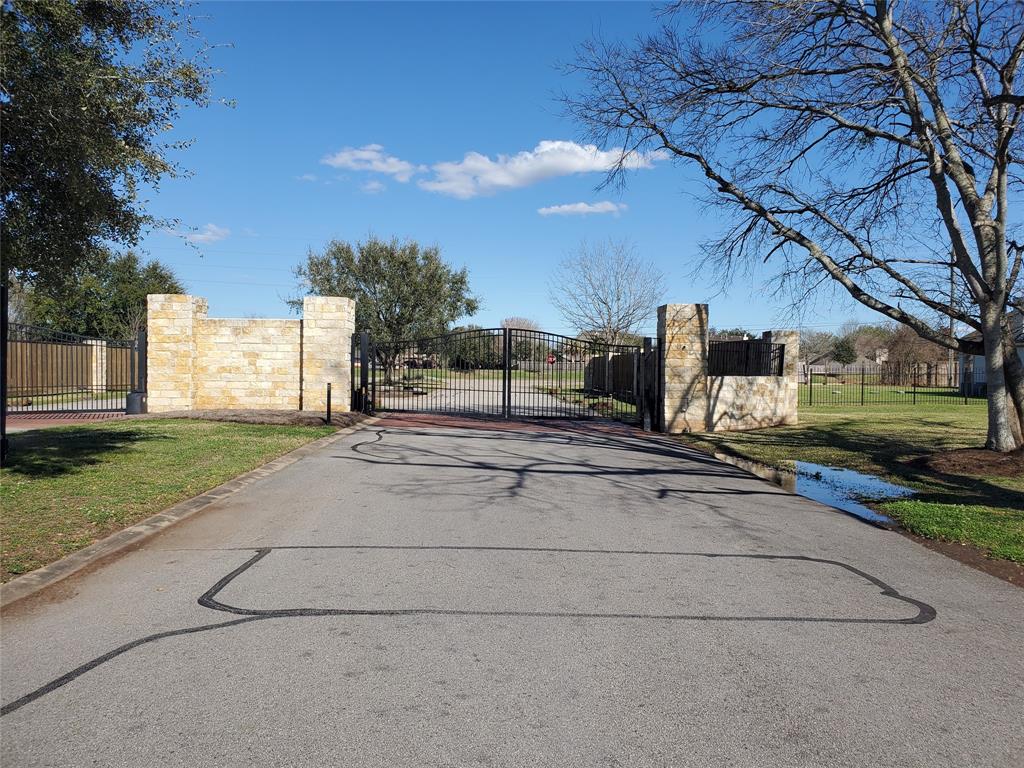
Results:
895 442
66 487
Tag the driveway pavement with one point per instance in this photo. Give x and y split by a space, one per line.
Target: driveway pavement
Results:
422 594
483 397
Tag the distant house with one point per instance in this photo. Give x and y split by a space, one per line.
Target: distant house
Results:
973 380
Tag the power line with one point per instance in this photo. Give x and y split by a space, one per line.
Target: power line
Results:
233 282
220 265
289 254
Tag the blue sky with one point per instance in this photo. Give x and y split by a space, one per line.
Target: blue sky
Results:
359 118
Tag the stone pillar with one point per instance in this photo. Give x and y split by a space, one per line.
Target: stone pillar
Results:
328 323
683 348
790 370
171 350
98 365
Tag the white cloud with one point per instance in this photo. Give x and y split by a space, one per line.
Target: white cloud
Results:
210 233
582 209
373 187
306 177
477 174
371 158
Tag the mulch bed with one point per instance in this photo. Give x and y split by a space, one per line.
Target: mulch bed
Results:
975 462
254 416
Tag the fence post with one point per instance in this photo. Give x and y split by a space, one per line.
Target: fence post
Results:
506 374
862 385
642 400
3 372
810 384
141 350
913 375
364 371
371 363
328 402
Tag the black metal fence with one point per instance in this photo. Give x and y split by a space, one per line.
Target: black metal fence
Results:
890 384
745 358
52 371
498 372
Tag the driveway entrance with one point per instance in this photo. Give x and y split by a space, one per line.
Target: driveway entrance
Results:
428 591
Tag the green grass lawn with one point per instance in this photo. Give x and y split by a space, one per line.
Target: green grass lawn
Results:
65 488
987 512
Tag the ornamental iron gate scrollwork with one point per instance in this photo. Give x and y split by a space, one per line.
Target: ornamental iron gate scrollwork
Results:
504 373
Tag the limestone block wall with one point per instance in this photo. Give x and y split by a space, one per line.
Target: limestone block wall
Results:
747 402
171 350
243 363
790 370
328 323
683 349
692 401
199 362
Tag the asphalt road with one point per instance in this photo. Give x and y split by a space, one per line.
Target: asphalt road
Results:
421 595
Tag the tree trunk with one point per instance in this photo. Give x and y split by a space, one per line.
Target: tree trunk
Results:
1000 432
1014 384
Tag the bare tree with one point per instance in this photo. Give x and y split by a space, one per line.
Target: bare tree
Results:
816 346
871 143
606 290
526 346
522 323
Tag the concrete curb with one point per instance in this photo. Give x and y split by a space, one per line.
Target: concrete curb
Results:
31 583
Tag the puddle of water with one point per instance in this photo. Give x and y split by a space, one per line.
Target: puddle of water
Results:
839 488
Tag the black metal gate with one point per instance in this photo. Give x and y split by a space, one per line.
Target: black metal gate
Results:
503 373
51 371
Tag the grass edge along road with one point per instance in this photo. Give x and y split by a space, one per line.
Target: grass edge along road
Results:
66 487
892 442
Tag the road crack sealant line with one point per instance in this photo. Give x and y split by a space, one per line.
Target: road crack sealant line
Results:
925 614
77 672
379 436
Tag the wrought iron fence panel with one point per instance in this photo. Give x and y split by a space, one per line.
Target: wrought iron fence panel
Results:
745 358
499 372
54 371
554 376
891 384
460 373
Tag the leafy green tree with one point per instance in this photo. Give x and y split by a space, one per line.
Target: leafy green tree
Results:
402 290
88 91
727 334
475 348
107 300
844 351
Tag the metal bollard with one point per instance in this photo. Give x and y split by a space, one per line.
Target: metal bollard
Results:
328 402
